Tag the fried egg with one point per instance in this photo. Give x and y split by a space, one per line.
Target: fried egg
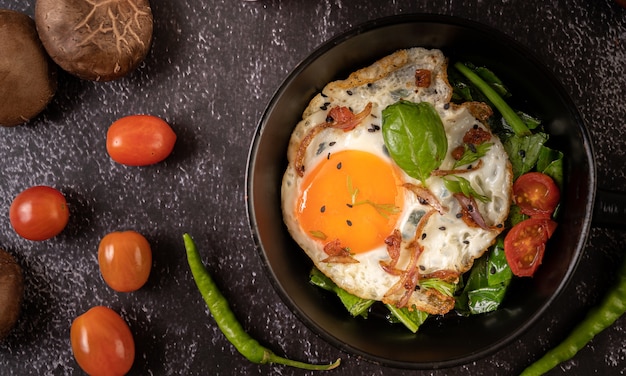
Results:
367 225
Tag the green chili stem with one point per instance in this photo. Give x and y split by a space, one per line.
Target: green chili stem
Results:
228 323
610 309
519 127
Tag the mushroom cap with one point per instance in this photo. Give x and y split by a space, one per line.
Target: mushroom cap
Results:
95 40
27 75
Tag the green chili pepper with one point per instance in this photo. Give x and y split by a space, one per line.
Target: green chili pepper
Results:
227 322
598 319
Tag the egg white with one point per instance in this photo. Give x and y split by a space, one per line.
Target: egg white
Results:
449 244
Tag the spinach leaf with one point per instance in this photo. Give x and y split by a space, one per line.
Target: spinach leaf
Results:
487 283
355 305
415 137
411 319
550 162
524 151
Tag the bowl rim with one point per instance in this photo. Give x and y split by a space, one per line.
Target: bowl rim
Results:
328 45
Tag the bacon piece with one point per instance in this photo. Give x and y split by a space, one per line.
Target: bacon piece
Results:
422 77
338 254
471 215
426 197
393 242
476 136
339 118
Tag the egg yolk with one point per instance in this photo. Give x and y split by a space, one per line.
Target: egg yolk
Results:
353 196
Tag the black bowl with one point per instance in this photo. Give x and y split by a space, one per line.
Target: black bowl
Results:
449 340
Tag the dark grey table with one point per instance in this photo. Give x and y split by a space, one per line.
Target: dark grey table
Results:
212 69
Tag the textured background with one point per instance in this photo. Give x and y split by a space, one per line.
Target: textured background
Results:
211 71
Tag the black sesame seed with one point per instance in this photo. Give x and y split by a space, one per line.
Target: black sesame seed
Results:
323 95
499 225
369 85
446 106
349 92
349 222
329 119
522 153
349 205
469 167
459 215
422 267
339 166
424 236
472 147
492 270
332 143
470 208
465 241
323 208
371 130
328 156
442 228
324 108
475 126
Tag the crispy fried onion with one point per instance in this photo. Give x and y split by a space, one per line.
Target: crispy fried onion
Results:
393 242
339 118
408 277
338 254
471 215
426 197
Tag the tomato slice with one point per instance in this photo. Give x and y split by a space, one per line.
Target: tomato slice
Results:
525 244
536 194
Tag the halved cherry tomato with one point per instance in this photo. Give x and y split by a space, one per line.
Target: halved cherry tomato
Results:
525 244
102 342
125 260
39 213
536 194
140 140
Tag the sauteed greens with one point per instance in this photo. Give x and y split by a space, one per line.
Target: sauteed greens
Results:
483 288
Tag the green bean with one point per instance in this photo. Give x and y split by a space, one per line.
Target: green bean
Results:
599 318
226 320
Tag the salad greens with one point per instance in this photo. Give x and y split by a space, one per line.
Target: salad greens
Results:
416 140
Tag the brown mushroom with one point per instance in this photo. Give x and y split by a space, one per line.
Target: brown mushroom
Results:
95 40
27 75
11 292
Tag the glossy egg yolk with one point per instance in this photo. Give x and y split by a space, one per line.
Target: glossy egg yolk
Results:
353 196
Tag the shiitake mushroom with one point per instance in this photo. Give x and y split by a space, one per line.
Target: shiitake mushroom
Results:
95 40
27 75
11 292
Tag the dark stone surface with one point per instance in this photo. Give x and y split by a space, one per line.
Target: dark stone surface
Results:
211 71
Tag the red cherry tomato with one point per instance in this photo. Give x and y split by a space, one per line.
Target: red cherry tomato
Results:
39 213
140 140
525 244
125 260
102 342
536 194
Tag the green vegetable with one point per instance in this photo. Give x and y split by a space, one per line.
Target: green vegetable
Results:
227 322
524 152
487 283
512 118
601 317
472 154
415 137
462 185
438 284
411 319
355 305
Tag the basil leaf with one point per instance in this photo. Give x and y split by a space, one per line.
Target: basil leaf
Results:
415 137
356 306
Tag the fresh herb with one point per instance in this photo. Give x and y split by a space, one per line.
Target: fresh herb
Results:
463 186
415 137
438 284
355 305
473 153
383 209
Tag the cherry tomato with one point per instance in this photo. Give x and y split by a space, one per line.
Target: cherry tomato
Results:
536 194
39 213
102 342
140 140
525 244
125 260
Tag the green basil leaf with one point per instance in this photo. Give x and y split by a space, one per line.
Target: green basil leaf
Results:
415 137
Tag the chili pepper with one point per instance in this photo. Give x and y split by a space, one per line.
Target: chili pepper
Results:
599 318
227 322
